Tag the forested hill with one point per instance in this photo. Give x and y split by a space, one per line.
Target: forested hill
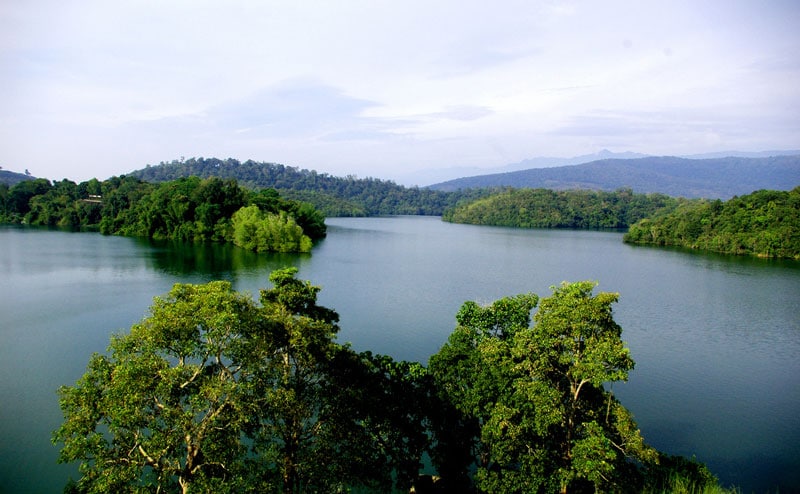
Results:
334 196
765 223
12 178
718 178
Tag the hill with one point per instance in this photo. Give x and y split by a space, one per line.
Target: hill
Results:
718 178
545 208
765 223
334 196
12 178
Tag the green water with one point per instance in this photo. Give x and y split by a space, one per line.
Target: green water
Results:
715 338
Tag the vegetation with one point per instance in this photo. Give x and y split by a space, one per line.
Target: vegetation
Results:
10 178
765 223
184 209
717 178
543 208
213 392
334 196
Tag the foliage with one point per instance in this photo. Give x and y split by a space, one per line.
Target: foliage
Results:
680 475
543 208
765 223
212 392
255 230
334 196
189 208
532 398
168 406
10 178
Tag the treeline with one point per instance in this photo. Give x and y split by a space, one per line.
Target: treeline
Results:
765 223
544 208
333 196
188 208
213 392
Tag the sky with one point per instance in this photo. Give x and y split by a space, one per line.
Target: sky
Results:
400 90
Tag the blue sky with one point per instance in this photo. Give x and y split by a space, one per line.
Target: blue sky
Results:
390 89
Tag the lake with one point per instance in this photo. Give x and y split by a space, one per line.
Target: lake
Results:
716 339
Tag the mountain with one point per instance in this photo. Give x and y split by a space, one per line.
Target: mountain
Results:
544 162
436 175
12 178
743 154
335 196
680 177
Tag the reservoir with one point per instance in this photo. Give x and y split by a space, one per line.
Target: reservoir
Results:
716 339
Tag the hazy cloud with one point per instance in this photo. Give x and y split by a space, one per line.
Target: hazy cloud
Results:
385 88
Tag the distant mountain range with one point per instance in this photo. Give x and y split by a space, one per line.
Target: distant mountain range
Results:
440 175
680 177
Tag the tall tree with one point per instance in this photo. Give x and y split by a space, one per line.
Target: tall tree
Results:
168 406
543 421
212 392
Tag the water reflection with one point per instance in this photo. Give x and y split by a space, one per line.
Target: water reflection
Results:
212 260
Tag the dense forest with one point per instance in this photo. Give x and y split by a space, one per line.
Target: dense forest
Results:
197 199
544 208
213 392
333 196
765 223
184 209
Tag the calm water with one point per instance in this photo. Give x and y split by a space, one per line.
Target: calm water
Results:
716 339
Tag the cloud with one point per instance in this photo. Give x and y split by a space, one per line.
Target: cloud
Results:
292 108
344 86
463 112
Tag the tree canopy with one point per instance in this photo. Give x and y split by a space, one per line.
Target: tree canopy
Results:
213 392
765 223
544 208
189 208
334 196
533 397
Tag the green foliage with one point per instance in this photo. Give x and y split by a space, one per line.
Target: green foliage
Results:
254 230
334 196
765 223
532 398
189 208
543 208
168 405
679 475
214 393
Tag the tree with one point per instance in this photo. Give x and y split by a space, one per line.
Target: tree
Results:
169 405
543 421
214 393
255 230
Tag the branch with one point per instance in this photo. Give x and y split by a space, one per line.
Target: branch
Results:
578 390
196 373
150 460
